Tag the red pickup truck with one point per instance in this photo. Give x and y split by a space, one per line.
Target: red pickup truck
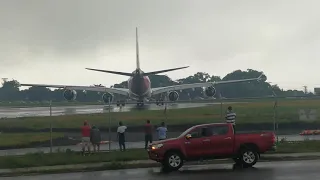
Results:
212 141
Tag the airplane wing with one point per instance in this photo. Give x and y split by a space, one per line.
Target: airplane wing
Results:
121 91
160 90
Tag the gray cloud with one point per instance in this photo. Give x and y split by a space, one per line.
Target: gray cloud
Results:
208 35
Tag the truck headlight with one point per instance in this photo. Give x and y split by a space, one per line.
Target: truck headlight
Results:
156 146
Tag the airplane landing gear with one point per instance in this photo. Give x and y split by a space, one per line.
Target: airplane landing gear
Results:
140 104
159 102
121 103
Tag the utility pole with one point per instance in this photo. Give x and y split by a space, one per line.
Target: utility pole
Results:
305 90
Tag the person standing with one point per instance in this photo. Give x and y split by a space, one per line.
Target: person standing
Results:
231 117
148 134
121 136
95 138
162 132
85 132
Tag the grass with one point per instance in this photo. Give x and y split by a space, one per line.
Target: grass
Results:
22 139
69 157
253 112
298 146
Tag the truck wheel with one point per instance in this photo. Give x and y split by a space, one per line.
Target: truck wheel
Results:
249 157
173 161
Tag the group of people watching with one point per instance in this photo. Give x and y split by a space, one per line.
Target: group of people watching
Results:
92 136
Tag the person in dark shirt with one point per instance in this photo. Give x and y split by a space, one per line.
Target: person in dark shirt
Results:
148 133
95 138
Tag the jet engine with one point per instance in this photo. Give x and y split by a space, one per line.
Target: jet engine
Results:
70 95
173 96
210 91
106 96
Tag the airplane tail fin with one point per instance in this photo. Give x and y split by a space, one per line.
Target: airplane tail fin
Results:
137 65
137 50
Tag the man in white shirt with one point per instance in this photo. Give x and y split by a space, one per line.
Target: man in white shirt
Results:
121 137
162 132
231 117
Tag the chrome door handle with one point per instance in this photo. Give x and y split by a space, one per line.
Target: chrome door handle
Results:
227 138
206 140
187 142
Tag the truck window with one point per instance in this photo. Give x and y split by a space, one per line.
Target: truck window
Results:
206 132
196 133
201 132
219 130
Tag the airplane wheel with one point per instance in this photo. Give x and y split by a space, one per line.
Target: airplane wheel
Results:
123 104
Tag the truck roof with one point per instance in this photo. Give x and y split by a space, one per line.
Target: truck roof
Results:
209 124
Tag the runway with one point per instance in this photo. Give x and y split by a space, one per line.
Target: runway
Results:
86 109
285 170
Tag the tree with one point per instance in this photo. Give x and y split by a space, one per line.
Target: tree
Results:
10 89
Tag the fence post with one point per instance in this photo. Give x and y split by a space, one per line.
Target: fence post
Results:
221 106
109 122
275 123
50 126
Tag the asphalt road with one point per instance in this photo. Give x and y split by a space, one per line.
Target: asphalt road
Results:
6 112
292 170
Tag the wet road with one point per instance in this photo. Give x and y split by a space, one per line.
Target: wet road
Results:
114 146
292 170
6 112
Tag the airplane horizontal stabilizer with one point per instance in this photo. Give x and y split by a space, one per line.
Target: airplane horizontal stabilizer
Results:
162 71
111 72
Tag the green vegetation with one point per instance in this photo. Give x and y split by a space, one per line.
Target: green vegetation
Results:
23 139
254 112
298 146
69 157
10 91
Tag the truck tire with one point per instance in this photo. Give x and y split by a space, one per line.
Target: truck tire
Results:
249 157
173 161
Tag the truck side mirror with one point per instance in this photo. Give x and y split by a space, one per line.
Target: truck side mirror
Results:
188 136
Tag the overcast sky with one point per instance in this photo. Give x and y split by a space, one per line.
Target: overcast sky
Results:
53 41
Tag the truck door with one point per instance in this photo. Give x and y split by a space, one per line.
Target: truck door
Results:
221 140
194 145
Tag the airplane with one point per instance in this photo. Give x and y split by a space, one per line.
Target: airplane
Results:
139 86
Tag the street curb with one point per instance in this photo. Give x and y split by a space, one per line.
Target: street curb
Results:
132 165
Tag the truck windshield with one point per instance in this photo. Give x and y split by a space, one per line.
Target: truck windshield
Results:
185 132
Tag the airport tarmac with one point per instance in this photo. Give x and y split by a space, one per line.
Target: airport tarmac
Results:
115 146
6 112
284 170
